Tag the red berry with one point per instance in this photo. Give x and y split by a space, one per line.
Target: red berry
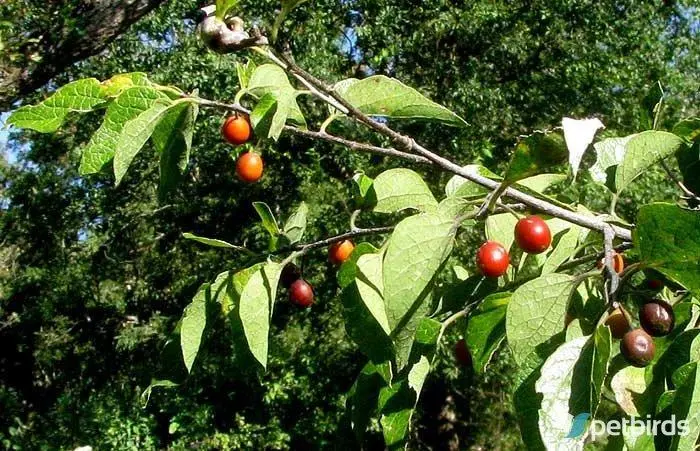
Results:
462 353
340 252
492 259
657 318
532 235
301 293
638 348
236 129
249 167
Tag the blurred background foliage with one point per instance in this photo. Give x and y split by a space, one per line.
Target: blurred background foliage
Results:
93 278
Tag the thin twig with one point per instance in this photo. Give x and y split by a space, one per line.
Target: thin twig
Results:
612 280
301 249
408 144
680 184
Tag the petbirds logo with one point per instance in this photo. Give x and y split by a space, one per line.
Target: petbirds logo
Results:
649 426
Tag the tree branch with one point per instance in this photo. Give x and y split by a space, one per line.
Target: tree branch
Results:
408 144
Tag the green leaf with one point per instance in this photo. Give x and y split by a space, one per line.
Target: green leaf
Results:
245 72
135 134
555 384
686 405
365 313
458 295
668 240
173 140
121 82
257 299
79 96
295 226
194 321
362 399
272 79
213 242
500 228
128 105
268 219
262 116
415 252
526 399
643 151
579 134
458 186
689 163
223 7
535 154
155 383
564 249
398 189
610 153
536 313
602 341
362 186
348 270
379 95
688 129
487 329
397 402
226 291
371 287
363 328
540 183
268 78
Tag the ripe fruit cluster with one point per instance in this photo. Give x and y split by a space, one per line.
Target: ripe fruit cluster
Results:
657 320
300 292
237 131
532 235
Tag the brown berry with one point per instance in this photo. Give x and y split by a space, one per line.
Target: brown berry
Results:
657 318
638 348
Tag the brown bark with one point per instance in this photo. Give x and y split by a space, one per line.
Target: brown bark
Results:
93 25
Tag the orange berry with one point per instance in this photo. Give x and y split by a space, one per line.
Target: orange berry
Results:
618 263
236 129
340 252
249 167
